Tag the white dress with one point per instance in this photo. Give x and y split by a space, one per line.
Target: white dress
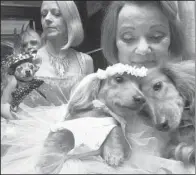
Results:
27 136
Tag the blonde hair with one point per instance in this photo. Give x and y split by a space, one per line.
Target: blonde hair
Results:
72 18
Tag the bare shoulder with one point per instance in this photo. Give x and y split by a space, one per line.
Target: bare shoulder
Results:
89 67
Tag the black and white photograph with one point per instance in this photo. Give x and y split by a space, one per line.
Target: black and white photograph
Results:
98 87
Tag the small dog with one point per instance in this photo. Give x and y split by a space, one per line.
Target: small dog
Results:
24 73
170 95
21 70
120 93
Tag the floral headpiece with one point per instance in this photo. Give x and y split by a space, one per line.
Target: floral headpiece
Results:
120 68
31 56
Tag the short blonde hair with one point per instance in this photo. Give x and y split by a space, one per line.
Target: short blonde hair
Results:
72 18
109 27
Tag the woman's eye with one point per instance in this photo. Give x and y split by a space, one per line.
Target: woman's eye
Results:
156 38
157 86
33 42
44 13
56 12
119 79
127 37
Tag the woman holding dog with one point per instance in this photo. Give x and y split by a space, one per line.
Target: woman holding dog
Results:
140 33
146 34
62 67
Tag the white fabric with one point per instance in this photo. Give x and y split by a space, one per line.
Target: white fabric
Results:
88 132
28 136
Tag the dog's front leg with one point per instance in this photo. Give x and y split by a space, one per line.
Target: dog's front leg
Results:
115 147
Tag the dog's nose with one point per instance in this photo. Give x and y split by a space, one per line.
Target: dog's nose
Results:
139 99
163 126
28 72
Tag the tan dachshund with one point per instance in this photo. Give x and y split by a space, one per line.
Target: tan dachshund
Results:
121 95
170 95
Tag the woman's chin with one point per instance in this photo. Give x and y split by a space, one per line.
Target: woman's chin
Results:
52 35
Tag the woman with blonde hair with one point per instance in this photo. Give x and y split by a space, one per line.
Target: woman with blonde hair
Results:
61 68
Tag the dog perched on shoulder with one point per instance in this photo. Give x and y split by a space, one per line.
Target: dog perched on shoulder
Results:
120 93
170 94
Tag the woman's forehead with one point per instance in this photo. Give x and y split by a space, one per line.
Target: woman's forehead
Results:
31 36
133 16
49 5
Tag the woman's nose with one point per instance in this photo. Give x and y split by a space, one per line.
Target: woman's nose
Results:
48 18
142 47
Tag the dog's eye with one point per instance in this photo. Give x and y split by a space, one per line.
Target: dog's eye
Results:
31 67
119 79
157 86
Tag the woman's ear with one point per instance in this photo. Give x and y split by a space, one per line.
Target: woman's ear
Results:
182 74
83 95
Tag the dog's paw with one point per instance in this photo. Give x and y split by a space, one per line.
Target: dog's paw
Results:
113 156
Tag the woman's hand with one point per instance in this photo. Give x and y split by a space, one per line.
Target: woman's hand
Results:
6 97
6 112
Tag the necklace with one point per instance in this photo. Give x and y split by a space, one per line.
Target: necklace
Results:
60 64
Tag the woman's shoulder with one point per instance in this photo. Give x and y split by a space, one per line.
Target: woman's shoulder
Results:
86 61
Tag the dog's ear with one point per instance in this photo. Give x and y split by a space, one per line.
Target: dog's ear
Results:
182 74
83 95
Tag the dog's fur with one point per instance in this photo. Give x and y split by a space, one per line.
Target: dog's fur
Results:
24 72
170 94
17 77
117 93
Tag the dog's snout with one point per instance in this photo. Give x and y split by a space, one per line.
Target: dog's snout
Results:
28 72
139 99
164 126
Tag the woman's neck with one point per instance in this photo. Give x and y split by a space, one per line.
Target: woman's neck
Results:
53 46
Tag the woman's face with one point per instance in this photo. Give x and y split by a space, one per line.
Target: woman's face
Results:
143 35
52 20
31 41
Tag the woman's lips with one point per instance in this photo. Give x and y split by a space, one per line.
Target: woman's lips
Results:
144 63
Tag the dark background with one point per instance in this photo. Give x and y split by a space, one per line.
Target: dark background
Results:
91 13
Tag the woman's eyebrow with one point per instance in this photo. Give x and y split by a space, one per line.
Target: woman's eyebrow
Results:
124 27
158 25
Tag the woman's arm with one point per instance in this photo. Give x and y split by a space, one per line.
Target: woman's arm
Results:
6 97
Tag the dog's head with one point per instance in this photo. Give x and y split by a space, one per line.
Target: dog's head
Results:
118 90
169 89
24 66
25 71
